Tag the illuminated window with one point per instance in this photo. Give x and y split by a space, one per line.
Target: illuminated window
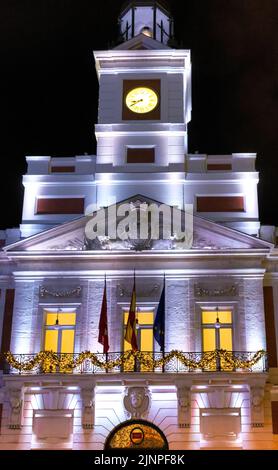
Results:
144 331
217 331
59 331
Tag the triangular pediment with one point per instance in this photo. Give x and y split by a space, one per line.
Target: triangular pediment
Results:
70 236
141 42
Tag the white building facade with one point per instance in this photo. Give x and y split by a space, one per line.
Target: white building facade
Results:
214 386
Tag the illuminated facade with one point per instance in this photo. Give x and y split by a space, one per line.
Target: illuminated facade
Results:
220 295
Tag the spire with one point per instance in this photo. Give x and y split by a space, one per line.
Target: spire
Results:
149 17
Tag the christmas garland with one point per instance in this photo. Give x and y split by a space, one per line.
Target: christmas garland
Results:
50 362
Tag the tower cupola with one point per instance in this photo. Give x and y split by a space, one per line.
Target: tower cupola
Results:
149 17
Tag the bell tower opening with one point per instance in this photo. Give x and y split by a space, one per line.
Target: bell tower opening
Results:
151 18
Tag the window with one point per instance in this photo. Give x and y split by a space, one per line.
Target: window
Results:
62 169
60 205
144 329
140 155
219 167
220 204
217 331
59 331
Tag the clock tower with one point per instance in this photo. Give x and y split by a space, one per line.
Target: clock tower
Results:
144 109
142 135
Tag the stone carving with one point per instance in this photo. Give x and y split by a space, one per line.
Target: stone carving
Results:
257 406
76 292
227 291
137 401
123 292
184 407
88 408
75 244
122 241
16 404
203 242
107 244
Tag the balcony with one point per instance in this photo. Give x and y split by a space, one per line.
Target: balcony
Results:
174 362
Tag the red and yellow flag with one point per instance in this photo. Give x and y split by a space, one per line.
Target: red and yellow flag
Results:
130 334
103 323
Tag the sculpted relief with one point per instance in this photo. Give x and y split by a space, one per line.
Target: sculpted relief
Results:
137 401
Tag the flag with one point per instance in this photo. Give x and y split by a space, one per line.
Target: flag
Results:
103 324
130 334
159 323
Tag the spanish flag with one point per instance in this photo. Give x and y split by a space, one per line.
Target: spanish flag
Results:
130 334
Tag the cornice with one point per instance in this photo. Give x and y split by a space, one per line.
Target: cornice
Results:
52 255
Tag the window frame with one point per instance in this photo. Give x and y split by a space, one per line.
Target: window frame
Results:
206 326
60 328
140 148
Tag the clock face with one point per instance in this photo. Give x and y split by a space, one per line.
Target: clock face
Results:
141 100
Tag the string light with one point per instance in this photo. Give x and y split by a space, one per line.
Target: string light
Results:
51 362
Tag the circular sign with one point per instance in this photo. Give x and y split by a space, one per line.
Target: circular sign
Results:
137 436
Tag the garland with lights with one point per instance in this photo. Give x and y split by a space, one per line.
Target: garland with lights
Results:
50 362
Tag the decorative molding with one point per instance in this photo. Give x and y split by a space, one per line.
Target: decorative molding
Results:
75 244
45 292
203 292
257 406
184 406
16 407
137 401
88 407
123 292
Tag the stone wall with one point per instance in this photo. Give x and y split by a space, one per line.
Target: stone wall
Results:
109 412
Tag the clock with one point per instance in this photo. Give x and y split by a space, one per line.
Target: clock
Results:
141 100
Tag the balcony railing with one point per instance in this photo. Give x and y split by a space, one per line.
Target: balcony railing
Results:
141 362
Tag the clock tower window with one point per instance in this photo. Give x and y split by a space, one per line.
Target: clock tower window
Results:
140 155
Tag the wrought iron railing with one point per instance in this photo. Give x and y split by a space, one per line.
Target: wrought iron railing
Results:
143 362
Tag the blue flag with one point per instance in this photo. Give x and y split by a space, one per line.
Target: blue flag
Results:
159 323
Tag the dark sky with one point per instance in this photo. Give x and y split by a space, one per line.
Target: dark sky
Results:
49 89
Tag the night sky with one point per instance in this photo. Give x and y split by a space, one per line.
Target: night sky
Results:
49 89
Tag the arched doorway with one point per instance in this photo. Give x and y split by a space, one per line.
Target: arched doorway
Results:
136 434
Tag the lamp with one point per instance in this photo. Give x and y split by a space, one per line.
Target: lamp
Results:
147 31
57 319
217 324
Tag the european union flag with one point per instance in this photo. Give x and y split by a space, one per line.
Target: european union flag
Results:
159 323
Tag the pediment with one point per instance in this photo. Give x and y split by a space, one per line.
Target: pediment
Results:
141 42
71 236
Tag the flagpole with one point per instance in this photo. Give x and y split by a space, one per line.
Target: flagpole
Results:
136 333
106 353
159 325
103 325
130 334
106 360
163 336
136 319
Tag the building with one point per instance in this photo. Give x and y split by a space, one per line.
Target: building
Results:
213 386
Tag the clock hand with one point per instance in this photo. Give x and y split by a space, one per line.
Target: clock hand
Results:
135 102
